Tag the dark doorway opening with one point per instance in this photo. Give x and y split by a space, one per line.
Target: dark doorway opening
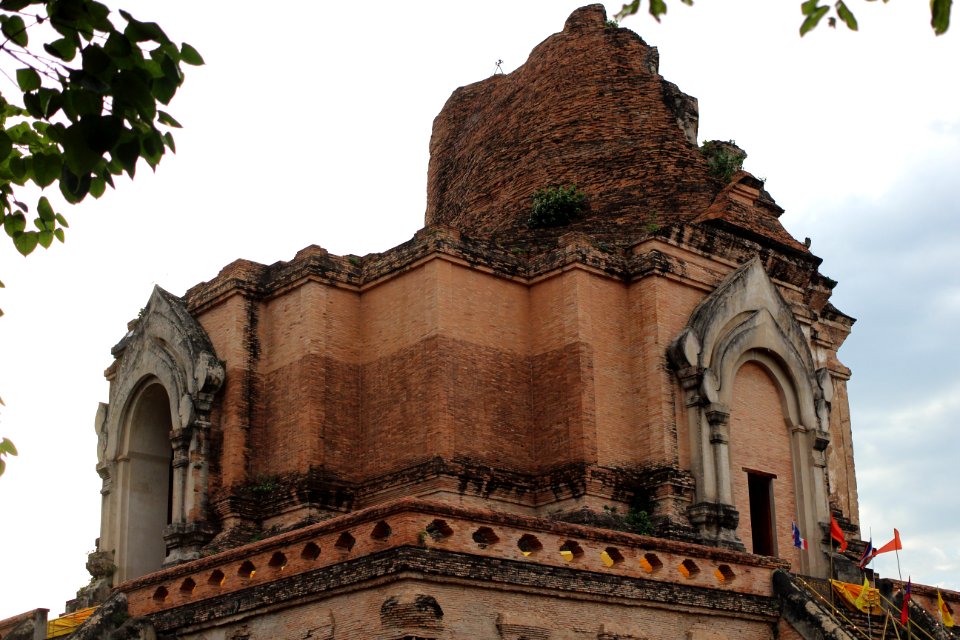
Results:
760 487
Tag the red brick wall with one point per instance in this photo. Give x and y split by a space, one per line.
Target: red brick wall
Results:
760 441
226 324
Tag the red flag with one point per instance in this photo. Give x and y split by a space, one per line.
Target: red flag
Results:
893 545
905 610
837 534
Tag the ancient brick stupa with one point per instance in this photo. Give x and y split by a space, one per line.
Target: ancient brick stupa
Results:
508 427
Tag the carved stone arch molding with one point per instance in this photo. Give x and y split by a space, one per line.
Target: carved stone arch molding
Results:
745 319
156 431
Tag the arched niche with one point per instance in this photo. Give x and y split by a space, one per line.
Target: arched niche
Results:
764 452
145 478
746 320
153 440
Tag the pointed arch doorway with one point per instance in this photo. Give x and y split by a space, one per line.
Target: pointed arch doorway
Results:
146 478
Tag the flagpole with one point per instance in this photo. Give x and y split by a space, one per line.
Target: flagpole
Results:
867 579
832 604
896 550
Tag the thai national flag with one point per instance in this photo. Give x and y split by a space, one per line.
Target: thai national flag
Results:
798 541
867 554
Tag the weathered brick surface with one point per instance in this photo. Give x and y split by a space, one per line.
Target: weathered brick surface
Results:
587 108
510 371
340 579
523 371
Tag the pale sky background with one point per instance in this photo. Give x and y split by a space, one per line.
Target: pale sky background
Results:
310 124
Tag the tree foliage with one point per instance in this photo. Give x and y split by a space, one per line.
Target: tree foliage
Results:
813 13
87 106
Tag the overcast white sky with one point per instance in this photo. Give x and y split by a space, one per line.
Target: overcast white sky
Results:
311 123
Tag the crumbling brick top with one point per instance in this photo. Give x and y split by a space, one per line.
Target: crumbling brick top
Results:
745 207
588 108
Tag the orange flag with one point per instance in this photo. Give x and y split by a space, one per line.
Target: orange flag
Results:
837 534
893 545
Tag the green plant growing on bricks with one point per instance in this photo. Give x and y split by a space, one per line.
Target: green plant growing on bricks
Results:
88 110
556 206
724 159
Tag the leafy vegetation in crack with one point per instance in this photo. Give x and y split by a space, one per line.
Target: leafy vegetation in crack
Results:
556 206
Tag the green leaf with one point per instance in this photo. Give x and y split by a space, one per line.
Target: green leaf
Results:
61 221
96 62
14 29
18 169
97 187
81 102
77 152
63 48
58 234
32 102
143 31
164 89
127 154
45 238
98 15
118 45
813 19
44 210
167 119
131 88
846 15
168 138
14 223
628 10
73 187
3 466
50 101
657 9
940 16
190 55
6 145
7 447
85 142
26 242
808 7
170 69
15 5
152 148
46 168
28 79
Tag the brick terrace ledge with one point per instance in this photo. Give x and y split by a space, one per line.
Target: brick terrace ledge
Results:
410 528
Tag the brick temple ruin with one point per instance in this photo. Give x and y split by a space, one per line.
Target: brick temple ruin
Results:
601 429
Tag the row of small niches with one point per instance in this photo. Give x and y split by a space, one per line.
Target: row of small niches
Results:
528 544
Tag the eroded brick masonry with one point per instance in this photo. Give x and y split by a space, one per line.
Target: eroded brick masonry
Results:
602 429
